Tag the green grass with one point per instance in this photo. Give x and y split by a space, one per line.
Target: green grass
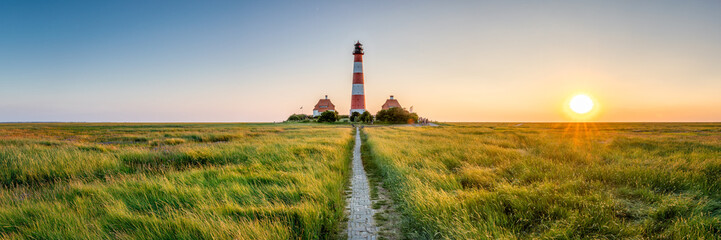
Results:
286 181
172 181
560 181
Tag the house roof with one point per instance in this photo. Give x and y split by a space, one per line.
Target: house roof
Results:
390 103
324 102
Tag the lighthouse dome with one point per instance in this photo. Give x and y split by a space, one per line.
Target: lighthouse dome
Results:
358 48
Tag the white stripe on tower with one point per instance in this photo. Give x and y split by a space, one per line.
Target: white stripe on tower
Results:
357 89
358 67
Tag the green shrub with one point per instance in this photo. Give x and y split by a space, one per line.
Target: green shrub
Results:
396 115
328 116
298 117
355 117
366 117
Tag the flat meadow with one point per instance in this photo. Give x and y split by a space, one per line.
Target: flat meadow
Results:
289 180
172 181
552 180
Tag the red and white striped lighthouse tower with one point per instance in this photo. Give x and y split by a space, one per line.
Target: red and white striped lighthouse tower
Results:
358 99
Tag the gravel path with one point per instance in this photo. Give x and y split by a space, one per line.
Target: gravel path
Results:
360 219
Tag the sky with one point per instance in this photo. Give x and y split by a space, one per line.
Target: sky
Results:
260 61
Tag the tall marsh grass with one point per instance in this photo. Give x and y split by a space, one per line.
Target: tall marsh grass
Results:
560 181
179 181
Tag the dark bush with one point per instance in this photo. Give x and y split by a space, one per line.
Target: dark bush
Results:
328 116
298 117
396 115
366 117
354 117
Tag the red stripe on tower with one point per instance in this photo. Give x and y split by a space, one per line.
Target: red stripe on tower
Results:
358 99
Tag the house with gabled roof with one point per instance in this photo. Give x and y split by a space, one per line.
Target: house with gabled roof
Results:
390 103
322 106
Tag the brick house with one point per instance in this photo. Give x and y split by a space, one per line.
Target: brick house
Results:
322 106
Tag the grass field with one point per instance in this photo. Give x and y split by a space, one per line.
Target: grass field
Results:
287 181
561 181
172 181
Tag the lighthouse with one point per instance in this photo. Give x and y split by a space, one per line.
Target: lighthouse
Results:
358 99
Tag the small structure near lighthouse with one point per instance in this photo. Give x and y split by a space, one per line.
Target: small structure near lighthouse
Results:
390 103
322 106
358 100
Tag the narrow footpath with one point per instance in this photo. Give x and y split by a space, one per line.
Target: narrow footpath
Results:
360 218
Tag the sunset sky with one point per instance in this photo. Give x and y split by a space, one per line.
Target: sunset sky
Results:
241 61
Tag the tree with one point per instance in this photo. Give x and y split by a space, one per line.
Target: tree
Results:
396 115
354 117
366 117
328 116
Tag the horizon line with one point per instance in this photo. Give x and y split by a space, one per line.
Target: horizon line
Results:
160 122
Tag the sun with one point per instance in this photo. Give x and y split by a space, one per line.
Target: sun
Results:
581 104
